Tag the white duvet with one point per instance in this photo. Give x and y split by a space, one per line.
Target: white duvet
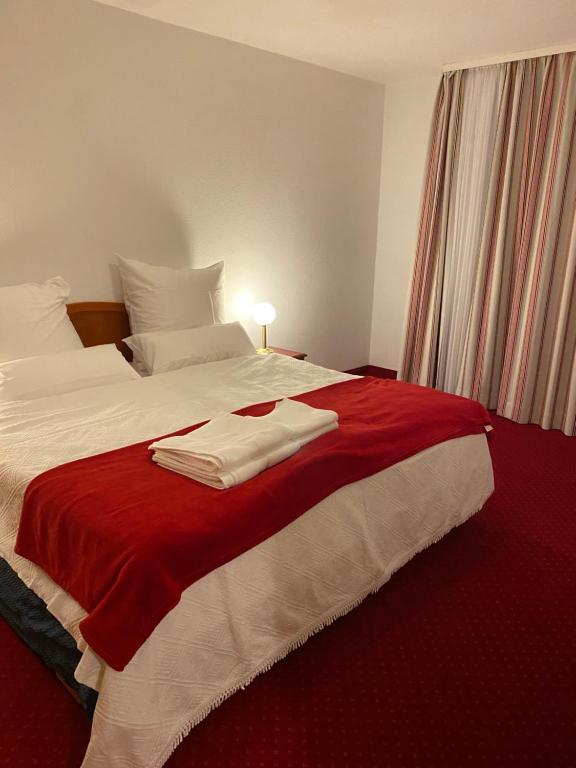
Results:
241 618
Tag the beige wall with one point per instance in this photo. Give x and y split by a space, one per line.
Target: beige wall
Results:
120 134
407 118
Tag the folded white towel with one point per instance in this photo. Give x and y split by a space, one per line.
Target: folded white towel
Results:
231 449
225 442
232 477
302 419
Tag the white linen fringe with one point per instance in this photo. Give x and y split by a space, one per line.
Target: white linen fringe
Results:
328 619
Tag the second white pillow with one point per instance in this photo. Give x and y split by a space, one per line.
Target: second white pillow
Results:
169 350
165 299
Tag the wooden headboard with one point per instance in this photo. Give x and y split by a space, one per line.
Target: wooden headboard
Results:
101 322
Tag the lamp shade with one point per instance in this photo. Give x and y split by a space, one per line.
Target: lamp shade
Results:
264 313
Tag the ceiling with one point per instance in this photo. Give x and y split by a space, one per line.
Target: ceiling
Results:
381 40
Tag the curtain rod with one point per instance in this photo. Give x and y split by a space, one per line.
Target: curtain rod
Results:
534 53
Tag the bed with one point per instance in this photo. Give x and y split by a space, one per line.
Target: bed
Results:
241 618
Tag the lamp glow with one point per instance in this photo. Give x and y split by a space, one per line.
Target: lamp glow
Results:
243 304
264 314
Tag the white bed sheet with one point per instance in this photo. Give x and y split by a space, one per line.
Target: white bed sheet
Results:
238 620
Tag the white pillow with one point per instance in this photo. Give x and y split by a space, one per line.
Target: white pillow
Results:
168 350
46 375
34 321
165 299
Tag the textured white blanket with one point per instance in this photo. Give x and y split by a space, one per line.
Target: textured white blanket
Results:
238 620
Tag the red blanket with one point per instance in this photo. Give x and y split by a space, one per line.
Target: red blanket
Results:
125 537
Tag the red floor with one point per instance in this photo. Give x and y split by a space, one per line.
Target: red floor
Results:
467 658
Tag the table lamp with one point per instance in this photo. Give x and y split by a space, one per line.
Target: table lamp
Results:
264 314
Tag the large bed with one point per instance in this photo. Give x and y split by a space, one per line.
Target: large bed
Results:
238 620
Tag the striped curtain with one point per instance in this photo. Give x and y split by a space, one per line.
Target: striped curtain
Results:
492 313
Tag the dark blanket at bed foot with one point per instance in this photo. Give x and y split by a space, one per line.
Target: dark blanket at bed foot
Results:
28 616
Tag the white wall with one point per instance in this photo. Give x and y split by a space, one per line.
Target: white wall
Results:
407 119
120 134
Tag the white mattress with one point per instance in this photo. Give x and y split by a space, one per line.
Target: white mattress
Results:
238 620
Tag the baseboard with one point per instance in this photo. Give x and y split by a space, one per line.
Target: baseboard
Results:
374 370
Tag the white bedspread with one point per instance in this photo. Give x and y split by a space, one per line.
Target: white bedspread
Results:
238 620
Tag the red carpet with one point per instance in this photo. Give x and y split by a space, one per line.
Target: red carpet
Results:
466 659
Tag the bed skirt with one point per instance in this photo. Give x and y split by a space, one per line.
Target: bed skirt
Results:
28 616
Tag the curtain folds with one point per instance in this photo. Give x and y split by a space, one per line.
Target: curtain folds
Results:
493 306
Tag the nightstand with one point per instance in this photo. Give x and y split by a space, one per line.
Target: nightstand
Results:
289 353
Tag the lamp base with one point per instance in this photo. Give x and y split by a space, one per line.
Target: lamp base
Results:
264 351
